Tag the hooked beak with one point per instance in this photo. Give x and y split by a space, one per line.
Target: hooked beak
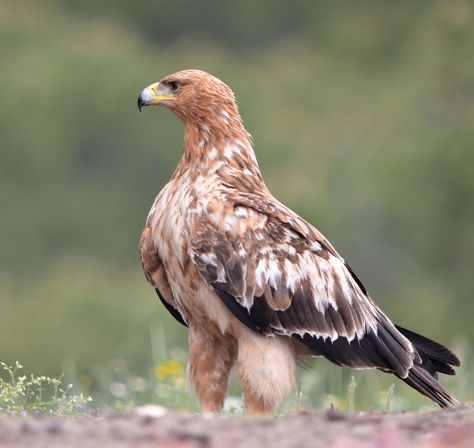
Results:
154 95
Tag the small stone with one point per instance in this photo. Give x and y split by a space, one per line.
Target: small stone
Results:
150 410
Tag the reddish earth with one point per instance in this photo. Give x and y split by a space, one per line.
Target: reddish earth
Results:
446 428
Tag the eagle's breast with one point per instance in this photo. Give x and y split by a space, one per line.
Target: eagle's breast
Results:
182 204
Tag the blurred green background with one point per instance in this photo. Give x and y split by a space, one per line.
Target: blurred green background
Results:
363 119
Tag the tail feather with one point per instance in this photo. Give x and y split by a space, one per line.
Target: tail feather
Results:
433 349
423 382
434 358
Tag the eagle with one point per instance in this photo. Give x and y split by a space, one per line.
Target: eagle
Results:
258 287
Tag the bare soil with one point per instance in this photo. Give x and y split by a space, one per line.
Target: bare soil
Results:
444 428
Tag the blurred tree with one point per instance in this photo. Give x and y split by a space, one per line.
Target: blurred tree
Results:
362 116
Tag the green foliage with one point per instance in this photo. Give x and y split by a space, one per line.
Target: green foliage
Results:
33 395
362 118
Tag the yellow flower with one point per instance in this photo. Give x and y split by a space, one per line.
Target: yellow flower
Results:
168 369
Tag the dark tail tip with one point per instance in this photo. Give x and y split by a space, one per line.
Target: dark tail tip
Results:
434 358
423 382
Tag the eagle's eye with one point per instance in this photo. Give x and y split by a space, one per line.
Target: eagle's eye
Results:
174 85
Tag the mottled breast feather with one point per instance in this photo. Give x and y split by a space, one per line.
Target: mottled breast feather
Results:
279 276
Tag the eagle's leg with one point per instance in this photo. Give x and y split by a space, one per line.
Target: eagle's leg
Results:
211 358
267 371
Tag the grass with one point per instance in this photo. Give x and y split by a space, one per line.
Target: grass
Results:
24 395
118 385
114 388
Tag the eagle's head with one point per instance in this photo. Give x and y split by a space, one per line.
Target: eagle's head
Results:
193 95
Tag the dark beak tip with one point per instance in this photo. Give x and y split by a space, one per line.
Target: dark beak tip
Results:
140 104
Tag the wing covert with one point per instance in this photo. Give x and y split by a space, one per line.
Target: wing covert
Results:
278 282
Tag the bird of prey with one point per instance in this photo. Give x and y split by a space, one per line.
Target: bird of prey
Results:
258 287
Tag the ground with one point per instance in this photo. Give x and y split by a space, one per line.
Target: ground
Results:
444 428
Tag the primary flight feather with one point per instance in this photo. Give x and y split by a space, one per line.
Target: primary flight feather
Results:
257 286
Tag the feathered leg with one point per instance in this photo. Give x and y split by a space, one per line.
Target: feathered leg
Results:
211 358
267 371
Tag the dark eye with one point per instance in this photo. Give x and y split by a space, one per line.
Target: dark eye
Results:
174 85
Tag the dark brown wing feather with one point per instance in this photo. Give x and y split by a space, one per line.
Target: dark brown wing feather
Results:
280 276
171 309
277 281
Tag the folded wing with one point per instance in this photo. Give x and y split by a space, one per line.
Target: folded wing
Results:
279 279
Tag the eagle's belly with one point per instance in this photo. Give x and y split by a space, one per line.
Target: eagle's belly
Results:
171 217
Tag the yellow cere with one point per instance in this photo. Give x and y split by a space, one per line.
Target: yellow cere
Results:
157 99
